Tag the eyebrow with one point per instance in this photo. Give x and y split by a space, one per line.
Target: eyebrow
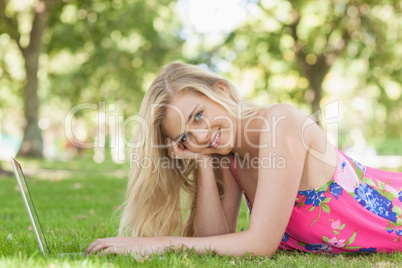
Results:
188 120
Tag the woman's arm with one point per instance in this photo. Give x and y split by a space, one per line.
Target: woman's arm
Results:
273 203
277 186
213 215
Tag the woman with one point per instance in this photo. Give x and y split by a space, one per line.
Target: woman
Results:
304 193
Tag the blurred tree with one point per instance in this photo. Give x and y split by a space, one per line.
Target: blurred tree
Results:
91 51
109 50
32 142
286 50
304 39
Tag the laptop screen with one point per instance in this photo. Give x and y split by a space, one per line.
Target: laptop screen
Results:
19 175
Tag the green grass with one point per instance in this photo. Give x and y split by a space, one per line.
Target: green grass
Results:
77 208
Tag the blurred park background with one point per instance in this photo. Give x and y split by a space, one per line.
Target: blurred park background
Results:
73 72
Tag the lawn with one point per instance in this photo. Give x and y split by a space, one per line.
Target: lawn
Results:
76 202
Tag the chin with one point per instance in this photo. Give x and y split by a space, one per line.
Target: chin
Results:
225 151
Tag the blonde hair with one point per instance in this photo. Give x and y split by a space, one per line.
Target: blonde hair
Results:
153 202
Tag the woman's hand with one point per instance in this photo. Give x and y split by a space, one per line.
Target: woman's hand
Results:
127 245
179 151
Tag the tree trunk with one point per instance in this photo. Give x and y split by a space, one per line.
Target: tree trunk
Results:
32 144
316 73
317 89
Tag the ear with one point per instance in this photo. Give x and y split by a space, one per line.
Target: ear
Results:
222 86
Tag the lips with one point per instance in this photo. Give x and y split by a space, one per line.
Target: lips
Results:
216 139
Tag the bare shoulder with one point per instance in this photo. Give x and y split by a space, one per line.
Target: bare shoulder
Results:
282 108
287 122
286 111
295 131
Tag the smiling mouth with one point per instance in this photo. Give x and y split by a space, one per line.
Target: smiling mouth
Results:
217 137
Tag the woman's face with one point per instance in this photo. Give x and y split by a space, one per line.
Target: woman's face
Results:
199 124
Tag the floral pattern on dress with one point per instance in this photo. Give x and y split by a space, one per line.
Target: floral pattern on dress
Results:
317 247
368 250
347 177
335 190
358 204
313 197
400 196
317 198
375 202
362 167
336 241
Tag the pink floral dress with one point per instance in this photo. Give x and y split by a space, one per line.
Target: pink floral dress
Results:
358 210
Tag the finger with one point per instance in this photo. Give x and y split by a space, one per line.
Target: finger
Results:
89 249
182 153
174 150
177 150
100 244
169 145
167 142
99 247
111 251
171 153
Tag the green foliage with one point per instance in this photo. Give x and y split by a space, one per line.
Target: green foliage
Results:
111 49
306 53
290 51
91 51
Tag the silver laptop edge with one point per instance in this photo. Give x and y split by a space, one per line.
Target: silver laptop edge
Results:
17 167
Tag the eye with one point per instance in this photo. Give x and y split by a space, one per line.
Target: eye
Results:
184 138
198 116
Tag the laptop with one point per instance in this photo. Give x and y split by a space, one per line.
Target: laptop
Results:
33 216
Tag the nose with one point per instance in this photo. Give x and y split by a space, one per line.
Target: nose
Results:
200 135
